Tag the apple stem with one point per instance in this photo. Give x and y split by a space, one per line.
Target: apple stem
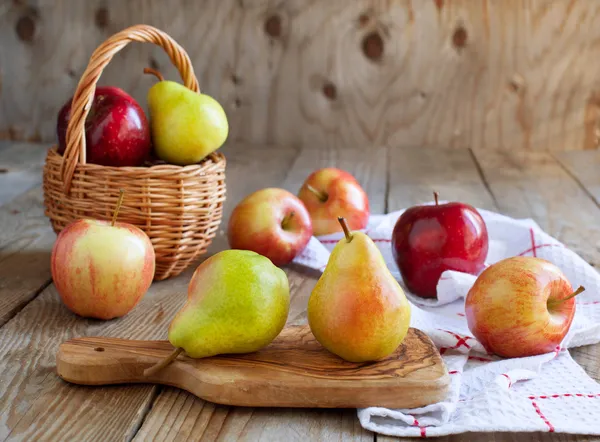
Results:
572 295
345 228
287 219
436 197
163 363
320 194
119 202
155 73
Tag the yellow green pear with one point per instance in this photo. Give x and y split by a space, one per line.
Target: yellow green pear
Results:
186 126
357 309
238 302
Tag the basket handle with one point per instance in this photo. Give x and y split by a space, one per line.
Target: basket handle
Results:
84 95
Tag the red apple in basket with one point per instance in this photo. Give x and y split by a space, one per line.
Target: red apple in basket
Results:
102 269
117 132
331 193
271 222
427 240
521 306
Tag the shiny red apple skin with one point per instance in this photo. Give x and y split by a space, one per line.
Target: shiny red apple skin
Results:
427 240
117 130
102 271
345 198
507 308
271 222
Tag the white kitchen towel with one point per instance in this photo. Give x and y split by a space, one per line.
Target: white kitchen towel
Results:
549 392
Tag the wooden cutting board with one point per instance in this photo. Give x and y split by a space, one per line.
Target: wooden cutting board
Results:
294 371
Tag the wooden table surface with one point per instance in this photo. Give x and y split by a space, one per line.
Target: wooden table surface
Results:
561 192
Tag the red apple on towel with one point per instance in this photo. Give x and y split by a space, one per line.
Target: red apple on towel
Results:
117 132
521 306
427 240
331 193
271 222
102 269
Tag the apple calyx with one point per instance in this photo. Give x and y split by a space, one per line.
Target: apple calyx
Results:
345 228
287 219
118 207
319 193
436 197
154 72
554 303
163 363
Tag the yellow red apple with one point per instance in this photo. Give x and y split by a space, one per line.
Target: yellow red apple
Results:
102 270
521 306
271 222
330 193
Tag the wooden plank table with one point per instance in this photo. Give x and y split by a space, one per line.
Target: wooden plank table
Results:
561 192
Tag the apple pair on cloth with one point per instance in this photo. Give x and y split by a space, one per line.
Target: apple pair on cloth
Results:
549 392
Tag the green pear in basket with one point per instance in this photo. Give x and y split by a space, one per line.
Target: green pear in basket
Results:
186 126
238 302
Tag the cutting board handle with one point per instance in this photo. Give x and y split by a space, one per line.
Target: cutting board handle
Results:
104 361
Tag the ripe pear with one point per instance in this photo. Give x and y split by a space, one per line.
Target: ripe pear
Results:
357 309
238 302
186 126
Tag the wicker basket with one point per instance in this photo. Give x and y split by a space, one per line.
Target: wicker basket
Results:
180 208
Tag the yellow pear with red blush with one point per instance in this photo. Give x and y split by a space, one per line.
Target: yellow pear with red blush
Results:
271 222
521 306
329 193
357 309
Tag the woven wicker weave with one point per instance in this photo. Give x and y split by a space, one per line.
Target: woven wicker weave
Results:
180 208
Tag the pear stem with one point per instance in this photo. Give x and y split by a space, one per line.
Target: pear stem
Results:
119 203
155 73
436 197
163 363
554 303
345 228
319 193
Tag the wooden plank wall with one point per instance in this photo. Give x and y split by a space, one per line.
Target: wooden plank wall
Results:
511 74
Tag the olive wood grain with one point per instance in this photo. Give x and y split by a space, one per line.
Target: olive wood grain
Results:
294 371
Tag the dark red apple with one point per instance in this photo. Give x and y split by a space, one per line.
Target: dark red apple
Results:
428 240
117 132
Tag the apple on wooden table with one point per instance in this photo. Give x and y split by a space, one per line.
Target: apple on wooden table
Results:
521 306
117 132
428 240
330 193
102 269
271 222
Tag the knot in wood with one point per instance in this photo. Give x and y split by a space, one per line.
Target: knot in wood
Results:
373 46
153 63
517 83
330 91
459 38
102 18
364 19
273 26
26 28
